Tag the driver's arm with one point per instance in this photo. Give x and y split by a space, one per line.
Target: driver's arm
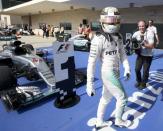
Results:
94 54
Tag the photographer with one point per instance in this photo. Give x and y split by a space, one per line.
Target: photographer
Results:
145 40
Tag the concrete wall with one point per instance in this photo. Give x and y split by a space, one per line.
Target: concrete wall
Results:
16 20
129 15
5 20
74 16
129 18
132 15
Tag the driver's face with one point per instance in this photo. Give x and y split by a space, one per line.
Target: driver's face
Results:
150 22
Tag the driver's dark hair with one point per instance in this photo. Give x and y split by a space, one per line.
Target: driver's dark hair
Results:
151 21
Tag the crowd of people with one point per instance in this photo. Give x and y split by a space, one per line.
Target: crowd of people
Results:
59 31
47 30
85 30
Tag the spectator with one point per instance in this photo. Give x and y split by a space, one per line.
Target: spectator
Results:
47 31
87 32
60 34
154 30
80 29
44 30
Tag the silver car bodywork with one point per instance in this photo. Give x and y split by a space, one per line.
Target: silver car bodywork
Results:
80 42
32 61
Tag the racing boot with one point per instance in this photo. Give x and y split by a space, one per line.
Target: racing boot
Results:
121 123
101 124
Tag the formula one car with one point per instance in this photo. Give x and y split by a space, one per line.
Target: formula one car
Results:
18 60
80 42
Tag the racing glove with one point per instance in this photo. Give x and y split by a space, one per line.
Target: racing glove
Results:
90 90
127 72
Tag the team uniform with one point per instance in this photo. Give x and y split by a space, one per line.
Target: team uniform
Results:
110 53
108 47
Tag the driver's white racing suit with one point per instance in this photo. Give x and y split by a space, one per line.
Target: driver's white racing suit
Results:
110 50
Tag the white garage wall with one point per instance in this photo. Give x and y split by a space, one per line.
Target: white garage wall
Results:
15 19
129 15
5 20
75 17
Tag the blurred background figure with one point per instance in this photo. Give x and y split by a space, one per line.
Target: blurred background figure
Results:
47 30
87 31
80 29
154 30
60 34
44 30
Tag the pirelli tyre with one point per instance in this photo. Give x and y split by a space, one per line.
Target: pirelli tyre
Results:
8 85
8 81
6 102
10 101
